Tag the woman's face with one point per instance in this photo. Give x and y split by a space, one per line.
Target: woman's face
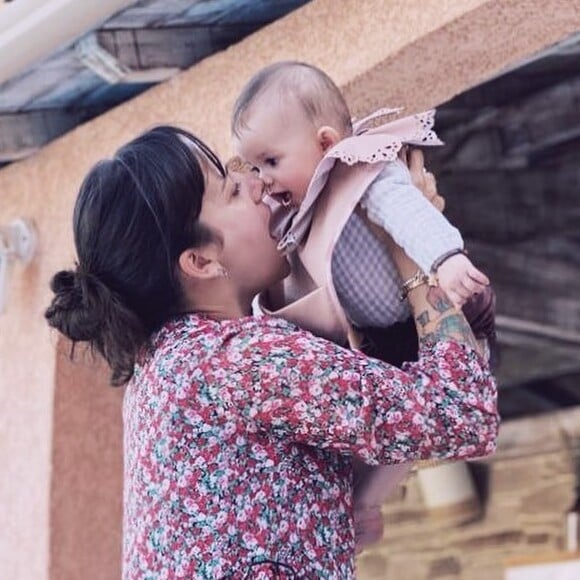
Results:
233 208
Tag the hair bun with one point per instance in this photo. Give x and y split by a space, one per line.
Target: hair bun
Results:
86 309
63 281
78 307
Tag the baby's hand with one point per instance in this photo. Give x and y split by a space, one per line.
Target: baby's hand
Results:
460 279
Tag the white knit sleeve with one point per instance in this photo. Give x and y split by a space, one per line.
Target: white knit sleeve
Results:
395 204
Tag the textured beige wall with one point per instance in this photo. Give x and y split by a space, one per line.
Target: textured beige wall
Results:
414 53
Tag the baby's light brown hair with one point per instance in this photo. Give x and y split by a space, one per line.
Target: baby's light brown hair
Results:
311 88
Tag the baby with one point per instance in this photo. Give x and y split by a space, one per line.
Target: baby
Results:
287 120
338 183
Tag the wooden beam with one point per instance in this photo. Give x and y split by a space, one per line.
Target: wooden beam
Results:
59 71
106 66
523 360
513 136
539 288
519 402
533 332
176 47
163 13
23 133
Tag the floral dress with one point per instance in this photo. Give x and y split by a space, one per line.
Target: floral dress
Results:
239 436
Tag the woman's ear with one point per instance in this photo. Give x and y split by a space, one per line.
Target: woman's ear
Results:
200 263
328 137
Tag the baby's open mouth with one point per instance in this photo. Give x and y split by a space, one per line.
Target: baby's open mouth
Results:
284 198
280 216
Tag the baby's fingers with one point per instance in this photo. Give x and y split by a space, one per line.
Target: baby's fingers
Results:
416 161
472 286
478 276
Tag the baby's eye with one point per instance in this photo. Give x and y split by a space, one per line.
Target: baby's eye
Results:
255 170
271 161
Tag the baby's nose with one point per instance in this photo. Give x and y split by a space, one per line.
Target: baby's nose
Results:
265 177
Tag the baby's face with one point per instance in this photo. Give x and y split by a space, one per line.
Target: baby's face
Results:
282 146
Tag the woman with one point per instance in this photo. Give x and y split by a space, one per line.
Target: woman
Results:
239 431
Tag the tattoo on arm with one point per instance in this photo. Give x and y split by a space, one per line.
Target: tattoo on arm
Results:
438 300
447 322
423 319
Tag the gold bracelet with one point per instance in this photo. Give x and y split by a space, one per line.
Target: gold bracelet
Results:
417 279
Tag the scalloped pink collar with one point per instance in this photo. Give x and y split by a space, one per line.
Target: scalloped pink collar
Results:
366 145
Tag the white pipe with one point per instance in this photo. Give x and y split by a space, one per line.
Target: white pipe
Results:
31 30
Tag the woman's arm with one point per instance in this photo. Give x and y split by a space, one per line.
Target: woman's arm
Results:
293 385
435 316
297 386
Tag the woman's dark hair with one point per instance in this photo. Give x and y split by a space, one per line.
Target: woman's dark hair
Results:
133 217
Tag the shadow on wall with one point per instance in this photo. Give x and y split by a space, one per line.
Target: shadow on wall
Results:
87 470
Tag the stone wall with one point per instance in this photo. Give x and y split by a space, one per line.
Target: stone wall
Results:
526 489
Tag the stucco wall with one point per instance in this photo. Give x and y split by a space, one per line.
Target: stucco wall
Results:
415 53
87 467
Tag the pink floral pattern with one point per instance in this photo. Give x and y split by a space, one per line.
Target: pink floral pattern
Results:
239 434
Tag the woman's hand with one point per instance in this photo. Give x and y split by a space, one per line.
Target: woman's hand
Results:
422 179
